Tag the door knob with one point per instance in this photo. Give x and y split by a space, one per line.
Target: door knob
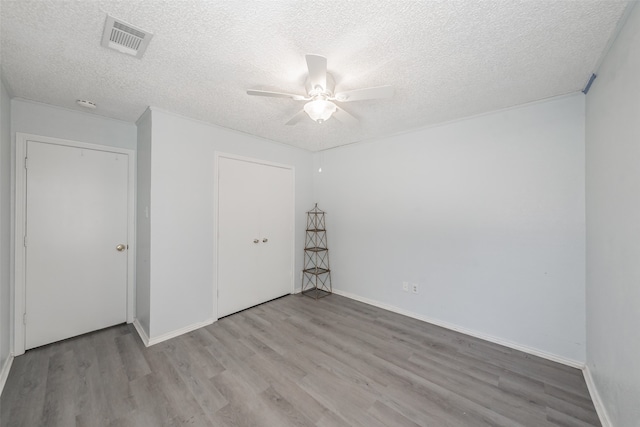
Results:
256 241
120 247
265 240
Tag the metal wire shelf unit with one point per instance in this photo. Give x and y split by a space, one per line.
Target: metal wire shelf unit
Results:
316 275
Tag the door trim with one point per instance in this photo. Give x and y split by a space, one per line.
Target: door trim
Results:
19 297
217 155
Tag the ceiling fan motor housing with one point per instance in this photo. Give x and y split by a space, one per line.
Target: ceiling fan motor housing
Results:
327 91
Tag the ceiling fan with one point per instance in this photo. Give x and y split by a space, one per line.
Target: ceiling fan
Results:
321 98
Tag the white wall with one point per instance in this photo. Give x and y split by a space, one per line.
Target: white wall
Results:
182 215
47 120
5 225
613 227
143 225
485 214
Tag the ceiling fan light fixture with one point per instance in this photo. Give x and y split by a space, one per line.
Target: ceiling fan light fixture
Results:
320 110
320 87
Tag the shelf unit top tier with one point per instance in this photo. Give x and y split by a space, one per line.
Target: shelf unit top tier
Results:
315 219
316 211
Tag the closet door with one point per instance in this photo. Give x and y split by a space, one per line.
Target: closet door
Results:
255 233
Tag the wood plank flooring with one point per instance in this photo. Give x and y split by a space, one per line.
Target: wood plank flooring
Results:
293 362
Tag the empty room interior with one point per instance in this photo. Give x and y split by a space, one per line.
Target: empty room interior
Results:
319 213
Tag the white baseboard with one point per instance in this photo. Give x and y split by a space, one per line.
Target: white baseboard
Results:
141 332
516 346
597 400
167 336
4 373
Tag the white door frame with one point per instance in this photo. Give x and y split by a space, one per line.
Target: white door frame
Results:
20 227
217 156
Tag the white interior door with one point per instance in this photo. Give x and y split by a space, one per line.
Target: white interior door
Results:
76 216
275 219
255 233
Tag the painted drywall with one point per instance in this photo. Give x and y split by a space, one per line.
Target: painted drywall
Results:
143 225
182 213
613 227
5 225
47 120
486 215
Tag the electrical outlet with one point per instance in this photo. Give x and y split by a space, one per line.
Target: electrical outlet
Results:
405 286
414 288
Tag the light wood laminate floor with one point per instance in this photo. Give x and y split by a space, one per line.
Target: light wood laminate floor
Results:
293 362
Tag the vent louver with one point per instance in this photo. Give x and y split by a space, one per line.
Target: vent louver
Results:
125 37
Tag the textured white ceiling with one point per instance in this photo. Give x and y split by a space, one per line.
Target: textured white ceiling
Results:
446 60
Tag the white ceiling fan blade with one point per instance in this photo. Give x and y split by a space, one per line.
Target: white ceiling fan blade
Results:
295 119
344 117
277 95
317 66
362 94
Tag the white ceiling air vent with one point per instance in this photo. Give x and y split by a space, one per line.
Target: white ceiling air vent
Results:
125 37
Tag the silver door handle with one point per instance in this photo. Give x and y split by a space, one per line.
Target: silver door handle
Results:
256 241
120 247
265 240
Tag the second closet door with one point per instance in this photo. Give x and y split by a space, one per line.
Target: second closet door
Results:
255 233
